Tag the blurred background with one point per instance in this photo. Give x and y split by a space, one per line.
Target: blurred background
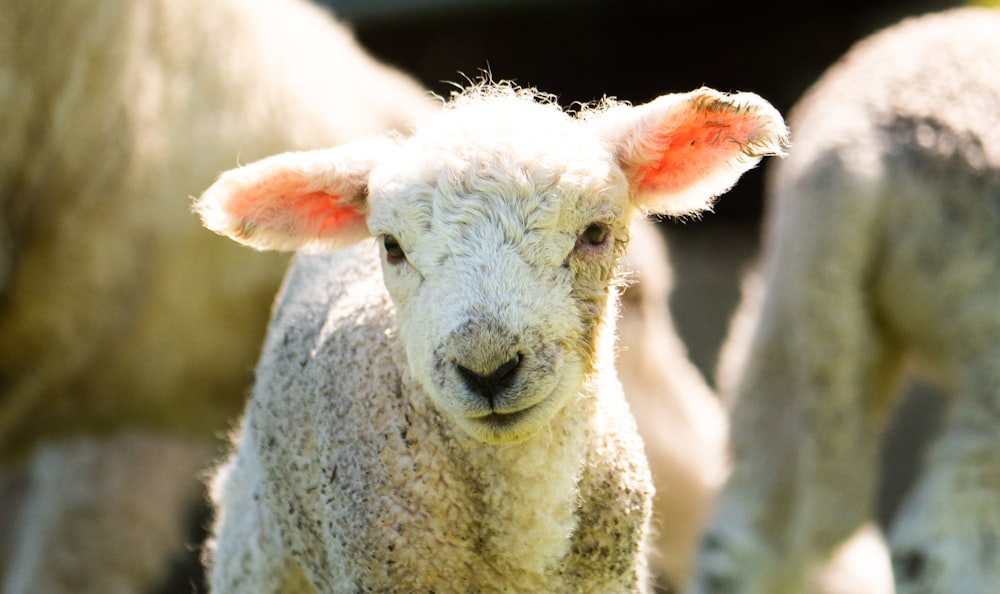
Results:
636 50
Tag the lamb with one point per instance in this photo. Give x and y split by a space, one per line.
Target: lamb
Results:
127 333
882 255
455 422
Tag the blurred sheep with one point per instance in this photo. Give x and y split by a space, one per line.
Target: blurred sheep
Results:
882 255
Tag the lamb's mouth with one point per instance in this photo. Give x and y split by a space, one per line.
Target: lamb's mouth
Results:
502 421
504 427
521 418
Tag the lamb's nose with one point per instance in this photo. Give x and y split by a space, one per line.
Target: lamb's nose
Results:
490 384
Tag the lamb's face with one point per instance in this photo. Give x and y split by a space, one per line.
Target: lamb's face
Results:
500 257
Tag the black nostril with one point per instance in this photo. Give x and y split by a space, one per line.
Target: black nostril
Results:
491 384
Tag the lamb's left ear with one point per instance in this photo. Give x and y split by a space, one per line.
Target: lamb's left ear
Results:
680 151
313 200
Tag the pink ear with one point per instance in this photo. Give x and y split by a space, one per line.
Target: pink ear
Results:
310 200
681 151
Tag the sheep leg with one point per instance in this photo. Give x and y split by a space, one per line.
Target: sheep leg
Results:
809 400
946 537
117 504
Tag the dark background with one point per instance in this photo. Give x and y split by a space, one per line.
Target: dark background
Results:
634 50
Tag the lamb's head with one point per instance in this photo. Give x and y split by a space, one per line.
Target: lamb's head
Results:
501 221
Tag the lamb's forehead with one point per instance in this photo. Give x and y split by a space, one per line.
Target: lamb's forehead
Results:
511 143
474 118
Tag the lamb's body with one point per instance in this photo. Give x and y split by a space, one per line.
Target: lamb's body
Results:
121 320
455 423
378 489
882 248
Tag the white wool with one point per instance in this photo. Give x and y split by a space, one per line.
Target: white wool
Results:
453 422
120 314
881 253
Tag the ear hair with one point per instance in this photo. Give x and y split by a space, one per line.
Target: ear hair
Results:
680 151
314 200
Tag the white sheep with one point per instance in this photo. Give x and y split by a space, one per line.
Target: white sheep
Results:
454 422
882 252
121 320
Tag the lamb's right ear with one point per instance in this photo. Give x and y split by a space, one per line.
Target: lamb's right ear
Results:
314 200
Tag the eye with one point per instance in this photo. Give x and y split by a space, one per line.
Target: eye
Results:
394 254
594 234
